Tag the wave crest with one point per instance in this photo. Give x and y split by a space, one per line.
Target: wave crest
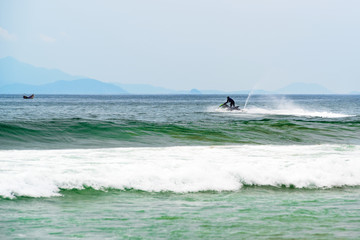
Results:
178 169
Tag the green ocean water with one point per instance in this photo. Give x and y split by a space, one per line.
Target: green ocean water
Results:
117 121
252 213
177 167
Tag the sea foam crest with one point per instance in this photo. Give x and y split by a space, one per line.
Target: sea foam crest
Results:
282 111
43 173
285 107
295 111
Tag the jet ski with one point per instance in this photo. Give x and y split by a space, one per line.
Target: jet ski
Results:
227 107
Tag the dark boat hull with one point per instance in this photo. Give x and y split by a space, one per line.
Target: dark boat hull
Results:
29 97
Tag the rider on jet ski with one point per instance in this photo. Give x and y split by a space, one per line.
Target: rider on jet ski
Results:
232 104
231 101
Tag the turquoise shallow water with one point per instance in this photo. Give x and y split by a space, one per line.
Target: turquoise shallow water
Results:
252 213
177 167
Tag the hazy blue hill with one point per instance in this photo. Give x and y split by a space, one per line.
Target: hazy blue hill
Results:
79 86
195 91
145 89
13 71
303 88
18 88
22 78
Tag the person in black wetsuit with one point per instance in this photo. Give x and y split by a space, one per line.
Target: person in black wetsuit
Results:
231 101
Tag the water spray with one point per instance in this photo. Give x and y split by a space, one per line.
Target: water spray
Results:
248 97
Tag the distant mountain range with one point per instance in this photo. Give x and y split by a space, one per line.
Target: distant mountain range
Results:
21 78
78 86
13 71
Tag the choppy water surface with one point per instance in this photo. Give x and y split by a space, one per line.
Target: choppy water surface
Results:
177 166
48 122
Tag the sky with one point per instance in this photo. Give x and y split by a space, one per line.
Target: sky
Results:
184 44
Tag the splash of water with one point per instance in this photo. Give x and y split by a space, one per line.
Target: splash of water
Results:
248 97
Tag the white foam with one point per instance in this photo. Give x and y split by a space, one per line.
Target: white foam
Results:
285 107
42 173
295 111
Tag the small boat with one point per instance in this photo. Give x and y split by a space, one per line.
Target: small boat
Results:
29 97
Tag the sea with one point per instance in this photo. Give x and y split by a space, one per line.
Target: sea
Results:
179 167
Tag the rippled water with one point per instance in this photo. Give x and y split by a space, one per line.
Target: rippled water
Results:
178 167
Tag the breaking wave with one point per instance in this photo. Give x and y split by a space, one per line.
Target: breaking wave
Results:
44 173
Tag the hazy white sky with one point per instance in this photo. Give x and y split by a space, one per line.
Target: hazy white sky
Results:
184 44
